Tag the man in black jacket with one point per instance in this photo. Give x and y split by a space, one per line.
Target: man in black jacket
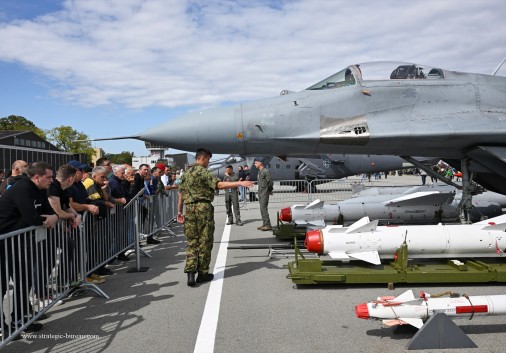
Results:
23 205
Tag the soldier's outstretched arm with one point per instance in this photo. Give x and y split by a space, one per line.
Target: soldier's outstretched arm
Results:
233 184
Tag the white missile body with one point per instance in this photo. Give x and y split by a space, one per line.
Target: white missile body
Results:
422 207
365 240
408 310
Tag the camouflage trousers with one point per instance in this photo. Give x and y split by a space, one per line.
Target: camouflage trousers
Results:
199 232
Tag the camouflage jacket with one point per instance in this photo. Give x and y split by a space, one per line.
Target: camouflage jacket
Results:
198 184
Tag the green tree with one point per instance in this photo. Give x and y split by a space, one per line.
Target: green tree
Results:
124 157
17 122
70 140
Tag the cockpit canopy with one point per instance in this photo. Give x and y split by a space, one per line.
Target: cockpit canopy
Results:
377 71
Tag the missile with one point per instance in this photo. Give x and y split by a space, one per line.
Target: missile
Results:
365 240
408 310
422 207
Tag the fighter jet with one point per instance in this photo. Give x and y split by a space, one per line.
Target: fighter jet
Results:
387 108
333 166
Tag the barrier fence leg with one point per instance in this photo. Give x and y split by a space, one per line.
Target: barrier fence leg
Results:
83 256
138 250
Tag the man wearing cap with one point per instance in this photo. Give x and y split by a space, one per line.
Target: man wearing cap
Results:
197 189
265 187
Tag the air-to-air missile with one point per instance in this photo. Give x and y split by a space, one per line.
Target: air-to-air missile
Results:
405 309
418 205
365 240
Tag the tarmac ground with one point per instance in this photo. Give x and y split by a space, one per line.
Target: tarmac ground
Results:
250 306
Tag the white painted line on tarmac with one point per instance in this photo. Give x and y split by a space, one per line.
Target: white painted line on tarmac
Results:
209 324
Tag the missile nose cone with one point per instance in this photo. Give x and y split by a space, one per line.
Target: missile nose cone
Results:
314 241
362 311
285 215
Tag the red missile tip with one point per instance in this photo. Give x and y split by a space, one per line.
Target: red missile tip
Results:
285 215
314 241
362 311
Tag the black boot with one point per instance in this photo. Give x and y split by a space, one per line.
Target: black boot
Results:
191 279
205 277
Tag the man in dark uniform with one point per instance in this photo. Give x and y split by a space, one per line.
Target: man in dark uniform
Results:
232 197
23 205
265 187
197 193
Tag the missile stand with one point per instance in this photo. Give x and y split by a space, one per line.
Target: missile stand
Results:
401 270
287 231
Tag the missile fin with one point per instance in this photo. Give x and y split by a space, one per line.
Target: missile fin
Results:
496 220
418 323
317 223
404 297
301 223
371 257
338 255
393 322
315 204
500 226
422 198
362 225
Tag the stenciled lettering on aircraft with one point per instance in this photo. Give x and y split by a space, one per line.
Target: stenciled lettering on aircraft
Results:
415 211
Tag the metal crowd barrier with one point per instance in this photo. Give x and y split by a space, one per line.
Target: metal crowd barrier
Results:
303 191
40 267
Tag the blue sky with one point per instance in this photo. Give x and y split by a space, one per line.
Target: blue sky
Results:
118 67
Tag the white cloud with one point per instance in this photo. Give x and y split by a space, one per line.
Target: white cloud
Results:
174 53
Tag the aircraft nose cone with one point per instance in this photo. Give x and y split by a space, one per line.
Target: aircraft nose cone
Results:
285 215
314 241
361 311
214 129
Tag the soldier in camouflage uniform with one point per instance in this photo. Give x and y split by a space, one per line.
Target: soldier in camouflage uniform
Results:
265 187
232 197
197 192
